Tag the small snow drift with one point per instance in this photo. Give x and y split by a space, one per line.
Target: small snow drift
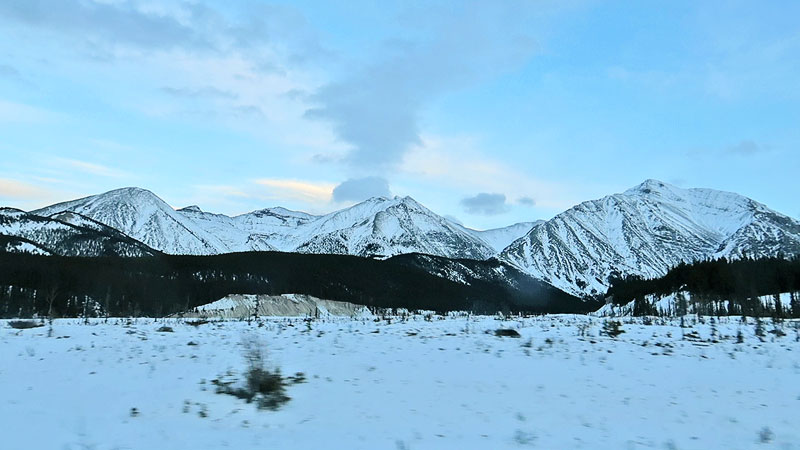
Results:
237 306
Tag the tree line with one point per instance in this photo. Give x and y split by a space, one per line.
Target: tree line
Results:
718 287
58 286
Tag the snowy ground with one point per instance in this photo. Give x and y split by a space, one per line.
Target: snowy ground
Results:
440 384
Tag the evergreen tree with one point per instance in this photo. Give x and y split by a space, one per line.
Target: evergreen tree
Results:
795 304
778 306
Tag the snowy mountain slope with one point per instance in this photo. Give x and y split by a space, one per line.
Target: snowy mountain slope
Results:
261 230
141 215
29 233
375 227
385 227
226 229
500 238
275 226
645 231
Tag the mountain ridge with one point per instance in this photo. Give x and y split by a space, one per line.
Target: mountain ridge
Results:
642 231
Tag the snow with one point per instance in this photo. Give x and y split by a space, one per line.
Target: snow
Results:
24 247
237 306
500 238
415 384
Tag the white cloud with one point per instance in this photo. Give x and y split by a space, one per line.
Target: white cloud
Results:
27 196
315 193
90 168
457 163
11 112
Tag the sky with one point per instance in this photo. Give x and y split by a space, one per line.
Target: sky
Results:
490 113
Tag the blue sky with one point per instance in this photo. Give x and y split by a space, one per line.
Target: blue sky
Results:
488 112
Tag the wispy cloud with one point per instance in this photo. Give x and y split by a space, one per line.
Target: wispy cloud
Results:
238 198
9 72
746 147
91 168
11 112
115 23
458 163
200 92
297 190
27 196
200 27
743 148
13 189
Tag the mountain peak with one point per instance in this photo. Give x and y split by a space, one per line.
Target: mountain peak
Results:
191 208
650 186
132 191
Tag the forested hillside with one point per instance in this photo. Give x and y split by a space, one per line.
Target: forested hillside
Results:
165 284
738 282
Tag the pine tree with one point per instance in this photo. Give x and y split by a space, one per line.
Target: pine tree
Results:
795 305
778 306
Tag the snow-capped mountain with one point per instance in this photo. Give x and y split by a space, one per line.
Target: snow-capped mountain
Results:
143 216
645 231
67 235
376 227
389 226
642 231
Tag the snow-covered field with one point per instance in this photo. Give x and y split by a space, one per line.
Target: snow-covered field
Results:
439 384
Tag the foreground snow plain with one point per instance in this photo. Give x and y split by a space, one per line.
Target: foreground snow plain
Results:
443 383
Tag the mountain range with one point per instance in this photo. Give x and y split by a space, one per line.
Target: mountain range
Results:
643 231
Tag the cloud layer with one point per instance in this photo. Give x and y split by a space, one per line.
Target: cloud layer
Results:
376 108
485 204
358 189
